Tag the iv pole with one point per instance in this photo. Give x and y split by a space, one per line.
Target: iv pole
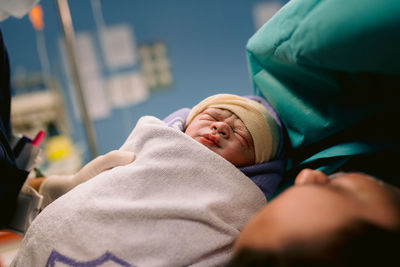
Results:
69 35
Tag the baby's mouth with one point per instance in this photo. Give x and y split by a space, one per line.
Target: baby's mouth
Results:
208 139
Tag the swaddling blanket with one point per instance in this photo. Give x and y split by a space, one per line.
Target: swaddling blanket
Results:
177 204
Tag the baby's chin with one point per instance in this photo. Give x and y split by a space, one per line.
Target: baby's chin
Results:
214 148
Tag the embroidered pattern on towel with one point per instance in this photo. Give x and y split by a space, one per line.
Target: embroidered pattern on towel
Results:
56 257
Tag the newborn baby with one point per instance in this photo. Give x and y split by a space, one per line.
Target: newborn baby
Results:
240 130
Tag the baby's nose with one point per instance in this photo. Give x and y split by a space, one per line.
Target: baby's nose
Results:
220 128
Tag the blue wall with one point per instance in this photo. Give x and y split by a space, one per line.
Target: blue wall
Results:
205 41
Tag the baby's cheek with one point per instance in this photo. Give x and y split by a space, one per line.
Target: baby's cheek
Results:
244 150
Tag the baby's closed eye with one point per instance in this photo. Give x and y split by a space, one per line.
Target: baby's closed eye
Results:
207 117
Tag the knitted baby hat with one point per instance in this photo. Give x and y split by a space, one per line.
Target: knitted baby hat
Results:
255 116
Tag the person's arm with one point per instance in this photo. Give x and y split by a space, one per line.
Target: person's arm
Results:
54 186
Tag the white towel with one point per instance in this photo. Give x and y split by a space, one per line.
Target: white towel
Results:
177 204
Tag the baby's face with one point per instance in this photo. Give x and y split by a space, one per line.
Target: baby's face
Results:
224 133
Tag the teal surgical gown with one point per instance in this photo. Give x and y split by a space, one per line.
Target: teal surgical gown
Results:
331 70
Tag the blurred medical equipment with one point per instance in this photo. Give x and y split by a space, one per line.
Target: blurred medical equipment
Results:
36 18
15 8
26 152
155 65
69 35
37 105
